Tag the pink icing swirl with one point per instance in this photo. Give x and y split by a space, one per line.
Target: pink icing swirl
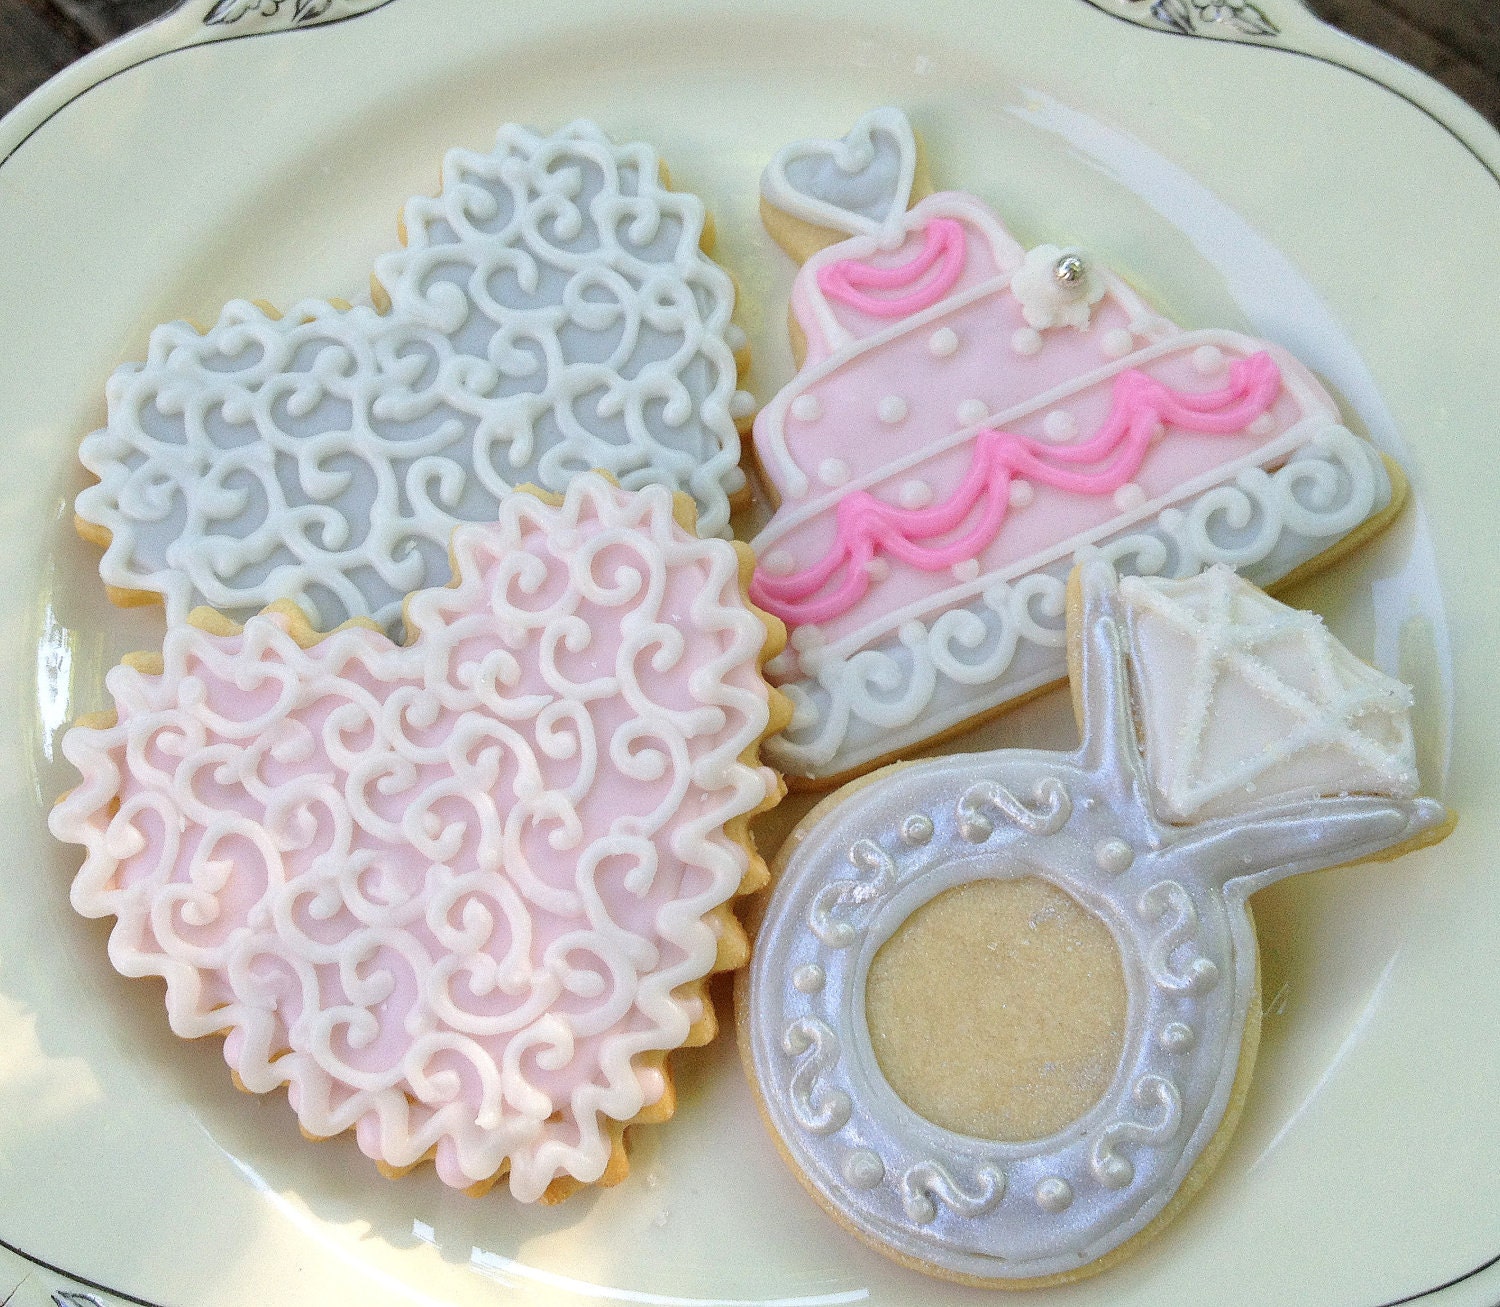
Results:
931 274
1140 406
448 893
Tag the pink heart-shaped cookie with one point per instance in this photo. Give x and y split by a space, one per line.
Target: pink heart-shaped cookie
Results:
460 894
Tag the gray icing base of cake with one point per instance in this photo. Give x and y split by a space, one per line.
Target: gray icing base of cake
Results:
551 313
1008 640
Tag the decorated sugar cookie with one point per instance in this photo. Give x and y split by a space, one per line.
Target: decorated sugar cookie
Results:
551 311
968 415
1003 1007
459 896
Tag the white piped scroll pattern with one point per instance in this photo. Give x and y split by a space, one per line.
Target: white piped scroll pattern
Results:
551 312
1167 903
822 916
1111 1167
816 1048
1051 813
857 698
1174 896
927 1184
449 893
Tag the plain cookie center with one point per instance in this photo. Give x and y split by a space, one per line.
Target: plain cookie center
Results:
998 1009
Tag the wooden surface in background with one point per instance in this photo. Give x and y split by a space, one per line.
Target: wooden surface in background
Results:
1457 41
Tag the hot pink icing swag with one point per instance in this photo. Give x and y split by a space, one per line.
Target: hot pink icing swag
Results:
867 526
932 273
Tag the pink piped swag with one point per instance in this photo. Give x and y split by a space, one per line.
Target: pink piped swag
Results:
930 275
866 526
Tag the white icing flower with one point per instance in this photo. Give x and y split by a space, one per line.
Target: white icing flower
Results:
1049 301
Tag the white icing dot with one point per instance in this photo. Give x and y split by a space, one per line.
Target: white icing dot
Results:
1054 1194
1176 1037
1116 343
877 569
805 638
1263 425
735 338
967 570
892 409
1059 425
807 408
741 404
942 342
1129 496
1026 341
808 979
864 1169
778 563
973 411
1207 360
914 494
833 471
1113 856
1021 494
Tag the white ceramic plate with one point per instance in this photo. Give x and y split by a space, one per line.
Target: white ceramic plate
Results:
1270 176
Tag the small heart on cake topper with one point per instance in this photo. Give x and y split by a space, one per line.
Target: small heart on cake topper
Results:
861 184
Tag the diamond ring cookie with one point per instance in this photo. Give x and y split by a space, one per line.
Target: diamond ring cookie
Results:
1003 1008
460 896
551 311
970 415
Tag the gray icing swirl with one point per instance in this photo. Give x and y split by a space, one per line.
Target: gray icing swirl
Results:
1172 895
815 1047
551 312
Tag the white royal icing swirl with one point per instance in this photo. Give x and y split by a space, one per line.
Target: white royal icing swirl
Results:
551 312
455 894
